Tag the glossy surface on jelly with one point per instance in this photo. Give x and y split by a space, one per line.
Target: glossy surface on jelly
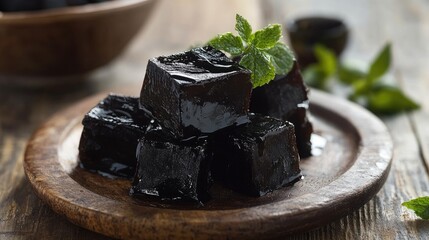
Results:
198 64
258 157
110 135
199 91
173 170
286 98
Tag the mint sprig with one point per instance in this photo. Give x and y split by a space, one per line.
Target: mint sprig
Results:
380 65
317 75
260 51
419 205
282 58
229 43
259 63
366 88
243 28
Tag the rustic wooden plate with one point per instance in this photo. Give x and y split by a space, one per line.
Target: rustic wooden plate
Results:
352 168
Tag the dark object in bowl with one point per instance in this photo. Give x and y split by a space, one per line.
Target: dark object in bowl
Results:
306 32
20 5
35 5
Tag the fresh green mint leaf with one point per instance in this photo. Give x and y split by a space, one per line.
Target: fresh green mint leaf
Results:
350 75
326 59
389 100
267 37
260 52
420 206
314 77
229 43
243 28
366 89
318 74
380 65
360 87
260 65
282 58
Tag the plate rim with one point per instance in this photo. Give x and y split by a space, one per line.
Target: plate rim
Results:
276 219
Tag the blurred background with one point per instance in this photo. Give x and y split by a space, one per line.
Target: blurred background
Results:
186 25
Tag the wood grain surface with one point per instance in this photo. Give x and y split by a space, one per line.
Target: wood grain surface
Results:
177 24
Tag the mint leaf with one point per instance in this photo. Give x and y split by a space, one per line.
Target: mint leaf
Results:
317 75
419 205
314 77
327 60
260 52
282 58
267 37
380 65
350 75
243 28
260 65
366 89
360 87
389 100
228 42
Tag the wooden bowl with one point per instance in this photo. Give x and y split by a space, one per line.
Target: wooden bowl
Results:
69 41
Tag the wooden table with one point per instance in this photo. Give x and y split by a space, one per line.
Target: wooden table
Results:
177 24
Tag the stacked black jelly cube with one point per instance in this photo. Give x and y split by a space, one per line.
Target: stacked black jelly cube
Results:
258 157
197 92
110 135
286 98
192 128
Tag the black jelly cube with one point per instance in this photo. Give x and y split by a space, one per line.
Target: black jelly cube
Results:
257 158
173 169
110 136
199 91
286 98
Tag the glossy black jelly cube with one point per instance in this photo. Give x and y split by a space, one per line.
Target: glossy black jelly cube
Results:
173 169
286 98
258 157
197 91
110 136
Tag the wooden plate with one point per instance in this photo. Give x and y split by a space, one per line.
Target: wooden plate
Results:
352 168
